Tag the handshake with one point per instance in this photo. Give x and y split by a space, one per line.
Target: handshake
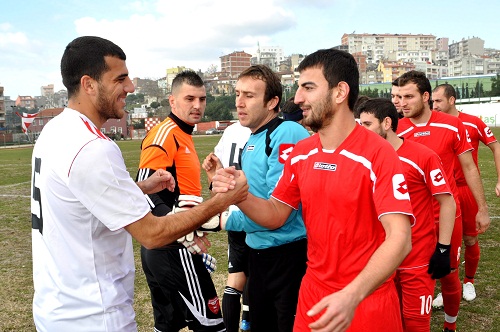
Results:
186 202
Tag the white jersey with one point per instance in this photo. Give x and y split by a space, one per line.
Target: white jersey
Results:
82 197
228 150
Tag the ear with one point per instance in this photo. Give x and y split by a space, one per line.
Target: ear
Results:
342 92
271 104
88 85
387 123
171 100
452 100
426 96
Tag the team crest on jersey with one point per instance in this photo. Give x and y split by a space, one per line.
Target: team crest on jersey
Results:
437 177
250 147
284 152
399 187
325 166
213 305
422 133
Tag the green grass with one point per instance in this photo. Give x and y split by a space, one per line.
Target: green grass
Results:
16 287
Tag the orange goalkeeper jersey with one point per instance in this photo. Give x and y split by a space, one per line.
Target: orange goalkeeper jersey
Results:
169 145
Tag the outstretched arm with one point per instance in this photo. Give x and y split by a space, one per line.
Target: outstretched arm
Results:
269 213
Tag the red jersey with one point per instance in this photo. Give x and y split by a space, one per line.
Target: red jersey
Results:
445 135
478 131
343 195
425 177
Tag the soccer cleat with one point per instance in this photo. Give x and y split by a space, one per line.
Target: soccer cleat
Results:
469 292
448 330
245 325
438 301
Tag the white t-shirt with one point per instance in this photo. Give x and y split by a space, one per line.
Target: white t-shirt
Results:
228 150
83 196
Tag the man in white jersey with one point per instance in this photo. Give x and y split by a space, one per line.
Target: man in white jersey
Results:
228 153
86 208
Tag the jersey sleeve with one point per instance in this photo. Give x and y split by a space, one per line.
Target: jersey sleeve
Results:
435 177
486 135
462 143
390 192
100 181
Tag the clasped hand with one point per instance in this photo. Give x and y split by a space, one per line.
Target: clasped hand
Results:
226 179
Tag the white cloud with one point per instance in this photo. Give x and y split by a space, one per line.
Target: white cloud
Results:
188 33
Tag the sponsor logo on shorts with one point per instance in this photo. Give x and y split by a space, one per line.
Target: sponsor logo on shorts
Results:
213 305
325 166
423 133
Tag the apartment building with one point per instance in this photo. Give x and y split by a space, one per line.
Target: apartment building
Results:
233 64
465 47
377 47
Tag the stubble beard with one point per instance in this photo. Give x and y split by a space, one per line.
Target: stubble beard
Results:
320 115
106 106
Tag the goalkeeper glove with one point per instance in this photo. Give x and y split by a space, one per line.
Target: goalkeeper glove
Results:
210 262
439 265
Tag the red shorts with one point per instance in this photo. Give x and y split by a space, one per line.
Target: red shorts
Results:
416 288
469 210
456 242
378 312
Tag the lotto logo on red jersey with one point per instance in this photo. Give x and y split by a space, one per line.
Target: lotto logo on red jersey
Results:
400 188
437 177
488 132
213 305
284 152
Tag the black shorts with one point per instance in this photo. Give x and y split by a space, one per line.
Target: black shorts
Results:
273 286
182 291
237 252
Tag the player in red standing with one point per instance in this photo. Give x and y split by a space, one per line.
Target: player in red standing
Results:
446 135
443 98
415 277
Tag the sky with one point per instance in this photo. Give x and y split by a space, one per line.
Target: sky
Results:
160 34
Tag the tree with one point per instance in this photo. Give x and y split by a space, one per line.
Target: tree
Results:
495 86
155 104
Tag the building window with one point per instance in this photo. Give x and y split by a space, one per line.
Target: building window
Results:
40 122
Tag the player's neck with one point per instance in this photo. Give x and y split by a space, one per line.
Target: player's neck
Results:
394 140
341 126
424 117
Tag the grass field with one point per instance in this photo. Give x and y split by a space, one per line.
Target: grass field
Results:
16 287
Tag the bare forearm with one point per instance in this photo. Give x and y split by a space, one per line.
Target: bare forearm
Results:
476 187
382 264
447 214
263 211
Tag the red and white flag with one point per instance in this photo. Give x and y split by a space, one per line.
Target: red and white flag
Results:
27 119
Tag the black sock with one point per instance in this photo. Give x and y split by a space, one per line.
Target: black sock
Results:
246 313
231 308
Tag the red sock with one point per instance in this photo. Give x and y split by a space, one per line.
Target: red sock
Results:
452 293
450 326
472 254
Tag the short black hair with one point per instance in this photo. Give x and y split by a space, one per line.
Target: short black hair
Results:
189 77
337 66
85 56
381 108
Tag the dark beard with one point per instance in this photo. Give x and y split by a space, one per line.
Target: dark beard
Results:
323 115
105 106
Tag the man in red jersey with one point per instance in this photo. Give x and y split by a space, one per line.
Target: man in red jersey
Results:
443 98
415 277
446 135
355 204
